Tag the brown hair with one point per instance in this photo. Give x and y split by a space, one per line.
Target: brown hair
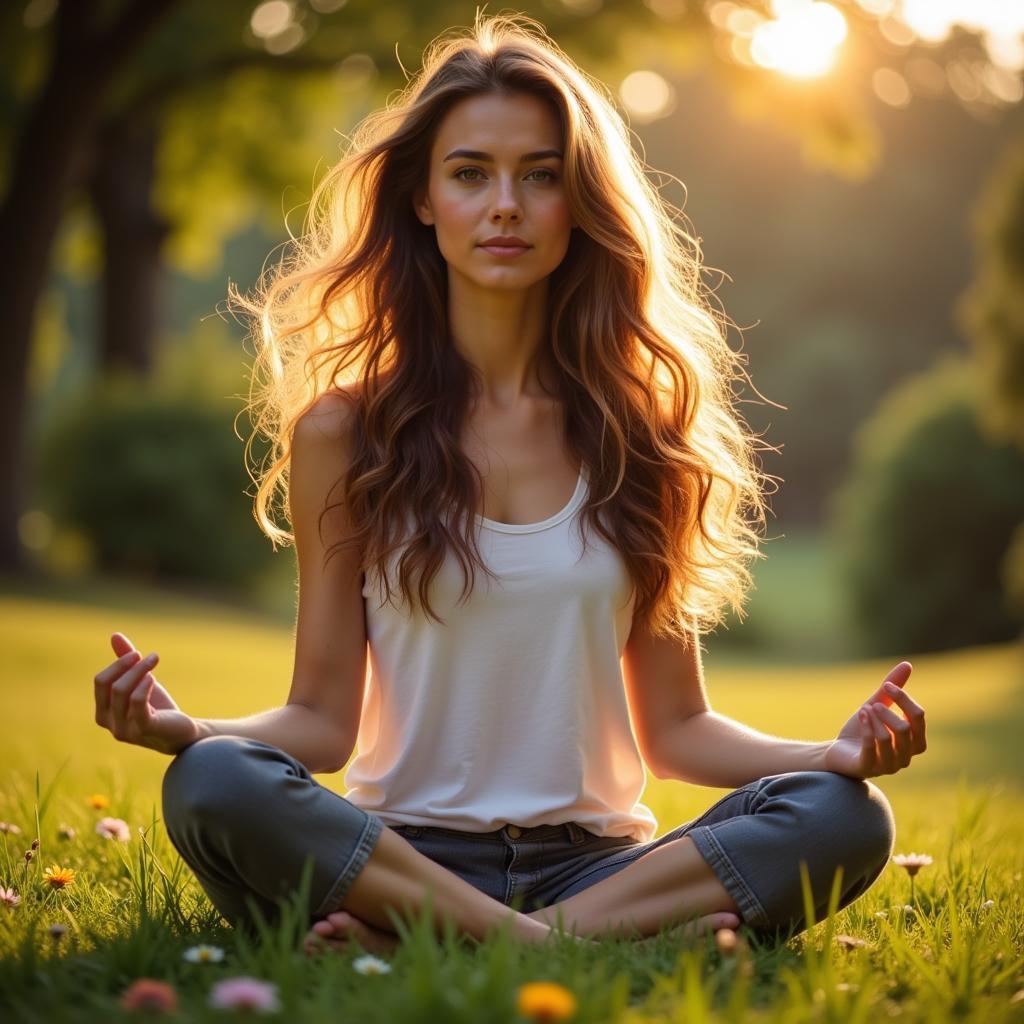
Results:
642 364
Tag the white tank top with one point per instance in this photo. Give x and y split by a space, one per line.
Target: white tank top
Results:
515 710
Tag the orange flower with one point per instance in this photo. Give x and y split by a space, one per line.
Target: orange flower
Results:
97 801
57 877
150 994
545 1001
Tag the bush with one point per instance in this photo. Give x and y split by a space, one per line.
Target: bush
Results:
156 482
925 520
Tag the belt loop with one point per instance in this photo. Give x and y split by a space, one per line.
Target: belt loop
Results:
576 834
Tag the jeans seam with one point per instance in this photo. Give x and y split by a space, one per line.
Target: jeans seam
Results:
364 847
712 851
695 822
602 864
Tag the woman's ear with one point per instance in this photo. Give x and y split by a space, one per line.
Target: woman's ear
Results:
421 206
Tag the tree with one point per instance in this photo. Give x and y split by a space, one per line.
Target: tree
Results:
991 312
88 87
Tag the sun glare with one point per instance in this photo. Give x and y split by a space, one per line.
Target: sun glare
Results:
801 40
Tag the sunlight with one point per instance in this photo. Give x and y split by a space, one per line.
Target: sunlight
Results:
801 41
933 20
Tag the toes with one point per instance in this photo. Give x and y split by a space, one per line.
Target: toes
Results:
709 923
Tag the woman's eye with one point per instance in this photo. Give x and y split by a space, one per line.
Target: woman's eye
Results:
549 175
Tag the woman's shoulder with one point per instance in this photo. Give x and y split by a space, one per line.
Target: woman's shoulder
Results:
332 412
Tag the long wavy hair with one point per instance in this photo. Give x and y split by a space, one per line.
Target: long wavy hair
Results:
358 305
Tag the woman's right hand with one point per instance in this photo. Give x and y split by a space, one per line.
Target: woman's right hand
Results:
136 708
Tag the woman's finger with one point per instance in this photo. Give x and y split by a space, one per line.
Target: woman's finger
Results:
868 744
897 677
138 703
103 679
886 758
121 644
900 729
122 690
915 716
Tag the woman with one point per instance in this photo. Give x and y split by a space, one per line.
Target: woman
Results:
491 351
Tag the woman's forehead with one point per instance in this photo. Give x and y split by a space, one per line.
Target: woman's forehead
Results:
505 126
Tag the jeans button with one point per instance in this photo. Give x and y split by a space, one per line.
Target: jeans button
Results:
513 831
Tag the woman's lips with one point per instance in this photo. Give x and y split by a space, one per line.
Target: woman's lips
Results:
505 250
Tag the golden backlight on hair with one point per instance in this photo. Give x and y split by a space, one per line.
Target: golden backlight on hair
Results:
359 301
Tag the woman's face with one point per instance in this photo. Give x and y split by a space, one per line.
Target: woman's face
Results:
480 186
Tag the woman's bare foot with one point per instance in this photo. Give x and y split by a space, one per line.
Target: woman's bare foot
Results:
708 923
339 926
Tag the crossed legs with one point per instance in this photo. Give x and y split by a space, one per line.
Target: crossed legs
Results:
760 832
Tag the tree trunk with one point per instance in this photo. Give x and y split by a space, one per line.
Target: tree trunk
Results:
133 235
54 142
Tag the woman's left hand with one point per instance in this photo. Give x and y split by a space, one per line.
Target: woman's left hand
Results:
876 741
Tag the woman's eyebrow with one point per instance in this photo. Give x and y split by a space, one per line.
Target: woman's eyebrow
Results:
476 154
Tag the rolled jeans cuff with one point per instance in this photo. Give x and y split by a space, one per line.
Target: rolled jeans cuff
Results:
751 910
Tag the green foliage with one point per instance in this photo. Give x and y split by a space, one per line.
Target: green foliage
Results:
992 311
925 519
156 481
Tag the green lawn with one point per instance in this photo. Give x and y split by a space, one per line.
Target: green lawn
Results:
962 802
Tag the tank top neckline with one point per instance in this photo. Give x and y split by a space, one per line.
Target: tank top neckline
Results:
574 503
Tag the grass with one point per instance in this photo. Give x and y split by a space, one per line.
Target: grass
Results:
134 907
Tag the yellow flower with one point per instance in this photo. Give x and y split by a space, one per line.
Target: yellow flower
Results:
545 1001
57 877
97 801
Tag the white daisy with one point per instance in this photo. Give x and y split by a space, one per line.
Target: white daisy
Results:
203 954
371 965
912 862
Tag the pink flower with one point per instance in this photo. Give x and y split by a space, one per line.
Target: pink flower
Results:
245 994
150 994
9 896
113 828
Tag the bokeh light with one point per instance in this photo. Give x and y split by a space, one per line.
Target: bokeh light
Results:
647 96
890 87
271 18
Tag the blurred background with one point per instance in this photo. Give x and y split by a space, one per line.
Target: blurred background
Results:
854 170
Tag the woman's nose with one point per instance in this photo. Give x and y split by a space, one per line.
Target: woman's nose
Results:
507 199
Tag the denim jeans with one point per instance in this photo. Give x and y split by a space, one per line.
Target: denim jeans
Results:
246 817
